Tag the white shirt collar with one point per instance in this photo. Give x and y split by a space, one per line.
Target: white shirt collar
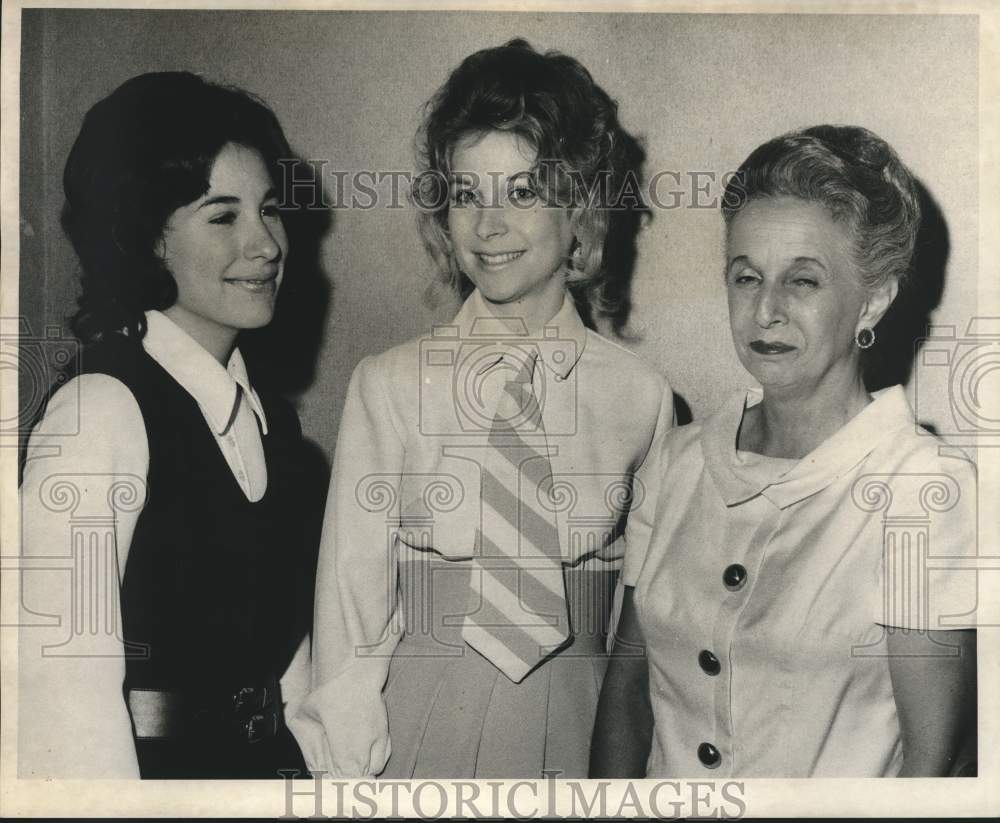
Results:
216 389
742 476
560 347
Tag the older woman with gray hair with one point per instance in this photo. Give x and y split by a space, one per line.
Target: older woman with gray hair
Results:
800 610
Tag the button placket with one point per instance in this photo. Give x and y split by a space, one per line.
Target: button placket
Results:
714 749
732 603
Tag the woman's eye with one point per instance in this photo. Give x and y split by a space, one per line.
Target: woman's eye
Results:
270 210
463 197
805 282
224 219
523 194
743 278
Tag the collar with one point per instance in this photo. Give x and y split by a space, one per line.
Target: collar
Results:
560 346
216 389
740 476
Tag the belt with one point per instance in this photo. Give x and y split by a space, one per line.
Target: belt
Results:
249 713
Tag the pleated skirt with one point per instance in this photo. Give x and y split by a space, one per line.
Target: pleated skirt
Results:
453 714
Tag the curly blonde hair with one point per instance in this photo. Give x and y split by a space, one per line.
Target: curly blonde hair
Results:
585 161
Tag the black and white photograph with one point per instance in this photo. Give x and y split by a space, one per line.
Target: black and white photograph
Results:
498 410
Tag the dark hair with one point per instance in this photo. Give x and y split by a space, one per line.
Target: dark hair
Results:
852 172
584 156
142 152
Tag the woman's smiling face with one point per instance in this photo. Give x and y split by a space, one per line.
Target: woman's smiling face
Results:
511 245
795 297
226 251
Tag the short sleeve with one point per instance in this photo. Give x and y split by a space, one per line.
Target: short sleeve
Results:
927 572
648 488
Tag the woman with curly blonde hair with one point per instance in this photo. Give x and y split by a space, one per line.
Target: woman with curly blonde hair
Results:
483 474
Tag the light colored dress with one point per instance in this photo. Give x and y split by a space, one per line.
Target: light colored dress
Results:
397 692
768 586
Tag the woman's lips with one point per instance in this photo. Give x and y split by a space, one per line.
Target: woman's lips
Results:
255 285
762 347
499 259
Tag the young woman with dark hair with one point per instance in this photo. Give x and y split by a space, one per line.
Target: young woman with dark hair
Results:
173 205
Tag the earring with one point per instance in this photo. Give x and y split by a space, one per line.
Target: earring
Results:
576 255
865 338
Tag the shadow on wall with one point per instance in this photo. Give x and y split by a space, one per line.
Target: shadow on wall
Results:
899 335
315 482
628 215
283 355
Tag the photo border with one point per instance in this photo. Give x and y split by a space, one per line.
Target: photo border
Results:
777 798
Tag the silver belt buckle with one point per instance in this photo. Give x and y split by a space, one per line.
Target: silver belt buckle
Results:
260 726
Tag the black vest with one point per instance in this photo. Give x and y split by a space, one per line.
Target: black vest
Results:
213 587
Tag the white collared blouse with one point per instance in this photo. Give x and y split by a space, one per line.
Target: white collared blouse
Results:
407 471
768 587
108 445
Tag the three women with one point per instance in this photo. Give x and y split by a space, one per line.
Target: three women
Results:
485 475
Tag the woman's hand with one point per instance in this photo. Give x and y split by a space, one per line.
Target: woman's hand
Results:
357 598
623 730
935 699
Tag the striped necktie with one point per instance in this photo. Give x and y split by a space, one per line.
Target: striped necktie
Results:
517 612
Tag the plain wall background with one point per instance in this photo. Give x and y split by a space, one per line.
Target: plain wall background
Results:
701 90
